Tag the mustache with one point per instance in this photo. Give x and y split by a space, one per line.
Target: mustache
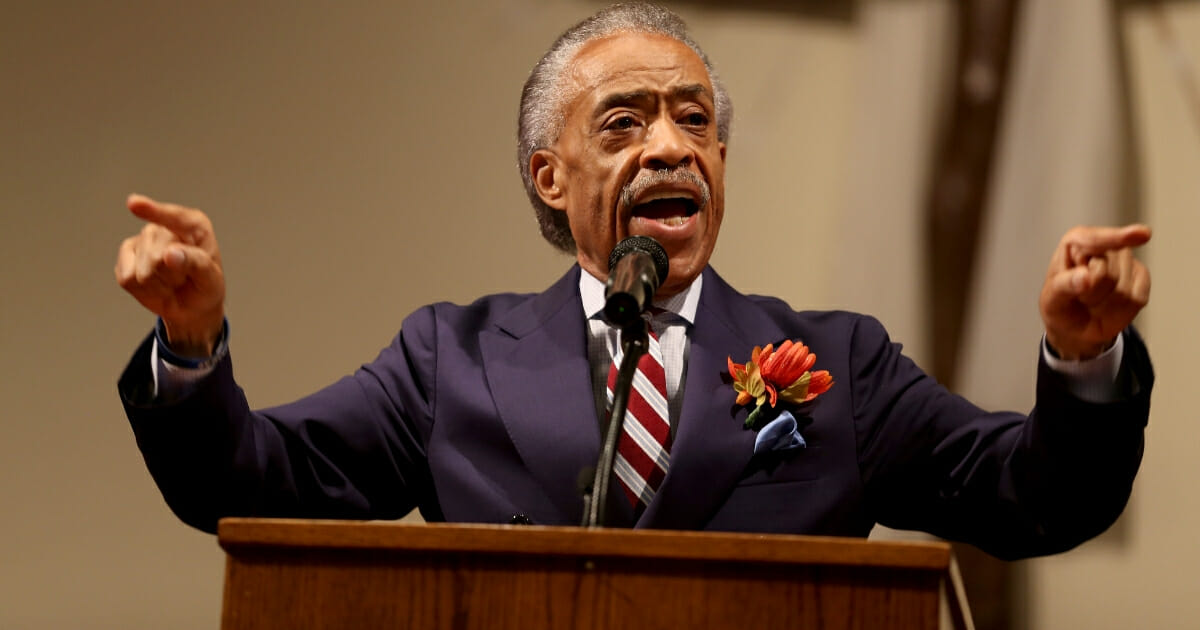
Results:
646 180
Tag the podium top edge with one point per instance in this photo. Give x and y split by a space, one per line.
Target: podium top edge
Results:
237 535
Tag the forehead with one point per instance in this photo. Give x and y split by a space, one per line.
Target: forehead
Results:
644 61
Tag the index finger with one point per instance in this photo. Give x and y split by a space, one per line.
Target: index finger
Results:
1085 243
184 222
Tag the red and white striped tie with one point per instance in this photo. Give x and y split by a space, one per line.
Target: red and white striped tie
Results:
643 452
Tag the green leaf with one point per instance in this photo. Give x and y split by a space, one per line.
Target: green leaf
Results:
798 391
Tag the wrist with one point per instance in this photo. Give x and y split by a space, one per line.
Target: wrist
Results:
1077 351
171 357
192 341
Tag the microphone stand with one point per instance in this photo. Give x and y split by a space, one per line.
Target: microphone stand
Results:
634 344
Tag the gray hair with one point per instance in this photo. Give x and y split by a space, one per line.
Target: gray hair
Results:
544 96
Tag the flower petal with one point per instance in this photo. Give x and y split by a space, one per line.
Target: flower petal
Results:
762 355
787 364
736 370
808 361
778 356
821 382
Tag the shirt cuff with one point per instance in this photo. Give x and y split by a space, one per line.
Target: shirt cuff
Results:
174 376
1093 380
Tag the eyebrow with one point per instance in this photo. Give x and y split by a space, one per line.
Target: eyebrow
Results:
625 98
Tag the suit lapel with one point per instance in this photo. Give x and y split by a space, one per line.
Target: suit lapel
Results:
711 449
536 362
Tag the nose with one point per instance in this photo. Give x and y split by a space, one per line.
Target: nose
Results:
665 147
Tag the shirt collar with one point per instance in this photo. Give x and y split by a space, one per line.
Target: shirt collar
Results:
683 304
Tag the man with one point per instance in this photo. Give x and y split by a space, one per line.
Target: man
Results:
488 412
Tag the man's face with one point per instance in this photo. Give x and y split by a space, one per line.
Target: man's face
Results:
638 154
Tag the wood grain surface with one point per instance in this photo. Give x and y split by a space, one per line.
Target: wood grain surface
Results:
331 574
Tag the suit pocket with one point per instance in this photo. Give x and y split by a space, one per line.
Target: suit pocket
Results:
801 464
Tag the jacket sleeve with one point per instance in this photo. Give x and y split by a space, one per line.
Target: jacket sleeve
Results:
1013 485
355 449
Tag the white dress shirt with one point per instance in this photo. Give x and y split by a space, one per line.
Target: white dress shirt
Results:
672 327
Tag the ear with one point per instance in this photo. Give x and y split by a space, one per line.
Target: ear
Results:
722 145
548 178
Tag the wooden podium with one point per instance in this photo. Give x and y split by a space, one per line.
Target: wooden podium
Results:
300 574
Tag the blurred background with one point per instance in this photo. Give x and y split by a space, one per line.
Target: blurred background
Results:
358 161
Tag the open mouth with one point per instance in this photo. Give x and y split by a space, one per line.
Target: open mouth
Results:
671 208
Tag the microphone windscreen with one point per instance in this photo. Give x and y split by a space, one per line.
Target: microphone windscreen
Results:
647 246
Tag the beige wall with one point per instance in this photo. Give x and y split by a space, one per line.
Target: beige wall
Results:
1146 578
358 162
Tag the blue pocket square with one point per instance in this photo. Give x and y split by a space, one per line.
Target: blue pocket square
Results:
780 434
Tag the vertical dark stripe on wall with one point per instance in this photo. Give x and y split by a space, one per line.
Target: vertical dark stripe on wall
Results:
961 177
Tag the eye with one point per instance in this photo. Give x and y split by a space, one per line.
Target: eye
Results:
622 122
696 119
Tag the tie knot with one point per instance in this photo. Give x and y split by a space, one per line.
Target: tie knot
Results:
660 319
660 316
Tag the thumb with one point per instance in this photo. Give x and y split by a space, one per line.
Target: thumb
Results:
183 261
176 259
1066 286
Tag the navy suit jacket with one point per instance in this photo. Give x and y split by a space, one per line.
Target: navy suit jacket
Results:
482 412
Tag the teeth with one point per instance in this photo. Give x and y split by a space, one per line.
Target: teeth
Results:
673 221
665 194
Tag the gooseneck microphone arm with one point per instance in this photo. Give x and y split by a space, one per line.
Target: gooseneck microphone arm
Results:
637 266
634 344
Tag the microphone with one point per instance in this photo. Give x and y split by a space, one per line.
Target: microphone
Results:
636 267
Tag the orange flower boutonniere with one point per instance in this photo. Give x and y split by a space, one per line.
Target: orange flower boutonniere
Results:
774 375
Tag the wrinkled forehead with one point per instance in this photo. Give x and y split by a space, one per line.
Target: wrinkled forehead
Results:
628 62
